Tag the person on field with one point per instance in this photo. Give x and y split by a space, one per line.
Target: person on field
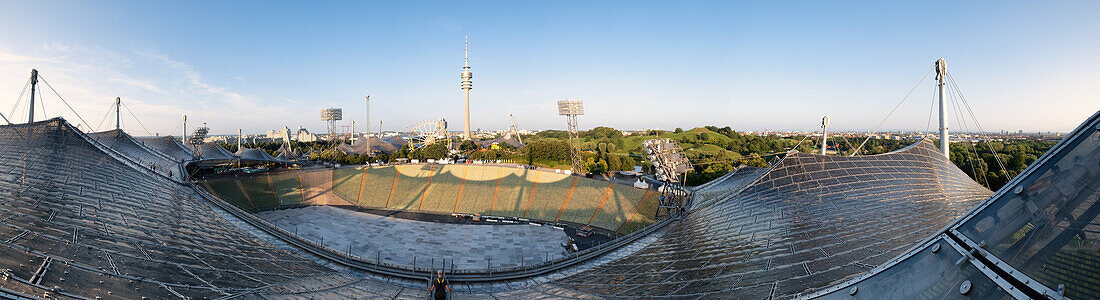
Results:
440 285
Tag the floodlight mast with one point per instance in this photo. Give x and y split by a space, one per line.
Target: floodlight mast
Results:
571 109
670 167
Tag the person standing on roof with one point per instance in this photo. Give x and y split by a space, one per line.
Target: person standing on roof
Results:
440 285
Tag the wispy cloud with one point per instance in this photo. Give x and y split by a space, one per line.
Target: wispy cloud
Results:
155 86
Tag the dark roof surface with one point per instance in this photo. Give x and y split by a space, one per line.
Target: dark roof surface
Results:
1041 229
86 222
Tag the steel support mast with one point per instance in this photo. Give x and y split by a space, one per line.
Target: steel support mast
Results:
34 81
571 109
941 78
824 134
118 113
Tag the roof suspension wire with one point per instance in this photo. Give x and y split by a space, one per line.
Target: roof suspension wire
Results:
800 142
63 101
846 142
931 108
42 103
175 128
18 100
100 125
955 86
892 112
966 152
127 107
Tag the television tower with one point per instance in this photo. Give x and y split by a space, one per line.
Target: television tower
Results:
466 86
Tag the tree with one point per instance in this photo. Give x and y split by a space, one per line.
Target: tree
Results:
468 145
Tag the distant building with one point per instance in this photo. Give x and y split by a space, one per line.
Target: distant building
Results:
302 135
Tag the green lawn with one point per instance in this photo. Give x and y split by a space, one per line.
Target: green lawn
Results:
511 198
346 183
586 198
618 207
287 188
549 193
227 189
410 186
260 190
443 191
644 214
376 189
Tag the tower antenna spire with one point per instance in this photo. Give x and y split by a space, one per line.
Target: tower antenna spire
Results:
467 52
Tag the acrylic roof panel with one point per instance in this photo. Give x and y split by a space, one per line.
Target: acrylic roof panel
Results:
81 220
254 154
1042 229
168 146
213 151
812 221
135 150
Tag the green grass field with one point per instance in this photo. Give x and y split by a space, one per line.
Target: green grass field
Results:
287 188
644 214
260 190
511 198
548 194
477 191
586 198
443 191
376 189
410 186
227 189
618 207
346 183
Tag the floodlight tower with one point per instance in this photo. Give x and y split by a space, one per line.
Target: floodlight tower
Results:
670 167
467 84
571 109
331 115
941 74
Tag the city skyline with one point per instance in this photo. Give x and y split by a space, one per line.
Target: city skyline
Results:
749 66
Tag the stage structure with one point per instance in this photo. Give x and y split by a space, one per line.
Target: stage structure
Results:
571 109
332 115
670 166
199 135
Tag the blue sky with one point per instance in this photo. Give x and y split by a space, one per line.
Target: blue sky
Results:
260 65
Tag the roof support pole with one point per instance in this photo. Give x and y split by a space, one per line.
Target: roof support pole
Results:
34 81
118 115
824 135
941 74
